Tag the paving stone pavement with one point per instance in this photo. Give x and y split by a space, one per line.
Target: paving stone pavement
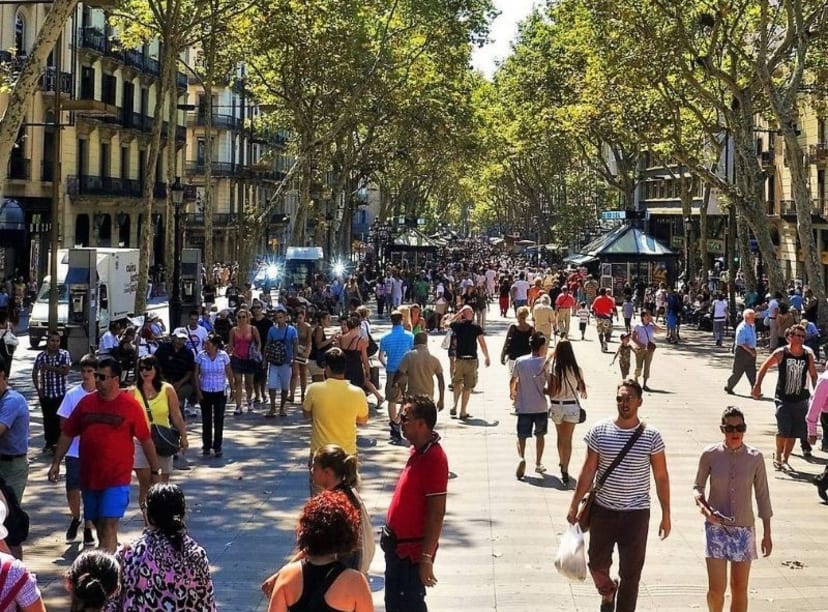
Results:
500 534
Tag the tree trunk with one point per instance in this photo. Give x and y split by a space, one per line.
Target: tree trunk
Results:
149 184
20 97
703 234
298 236
745 254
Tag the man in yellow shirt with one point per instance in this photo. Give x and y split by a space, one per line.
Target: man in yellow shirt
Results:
335 407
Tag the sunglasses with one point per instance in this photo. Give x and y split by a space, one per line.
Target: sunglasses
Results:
405 417
146 367
742 428
103 377
623 399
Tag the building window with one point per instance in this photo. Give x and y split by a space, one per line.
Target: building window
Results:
20 34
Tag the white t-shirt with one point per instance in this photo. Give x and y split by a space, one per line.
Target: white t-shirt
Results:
108 342
196 340
719 309
67 406
521 288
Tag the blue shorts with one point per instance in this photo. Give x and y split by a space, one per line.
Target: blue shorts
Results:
110 503
72 474
525 423
278 377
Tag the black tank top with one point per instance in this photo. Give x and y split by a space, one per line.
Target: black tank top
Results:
316 580
354 372
519 342
792 386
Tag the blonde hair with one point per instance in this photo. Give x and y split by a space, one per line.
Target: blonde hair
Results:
406 316
523 312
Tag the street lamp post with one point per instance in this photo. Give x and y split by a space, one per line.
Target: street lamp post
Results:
177 191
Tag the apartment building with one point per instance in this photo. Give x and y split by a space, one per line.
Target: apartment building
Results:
107 98
107 95
248 161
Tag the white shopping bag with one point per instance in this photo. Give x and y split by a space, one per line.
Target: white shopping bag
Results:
571 558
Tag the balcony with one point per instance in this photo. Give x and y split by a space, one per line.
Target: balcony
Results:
767 159
787 208
115 50
196 220
220 122
51 77
152 66
819 154
93 39
19 169
198 168
87 184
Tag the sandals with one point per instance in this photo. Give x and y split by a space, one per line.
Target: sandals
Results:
453 412
465 417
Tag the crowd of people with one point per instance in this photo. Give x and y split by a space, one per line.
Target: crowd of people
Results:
313 351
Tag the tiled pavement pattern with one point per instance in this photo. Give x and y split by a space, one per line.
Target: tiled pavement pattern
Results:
500 534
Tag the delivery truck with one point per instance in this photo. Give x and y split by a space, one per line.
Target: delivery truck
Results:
116 285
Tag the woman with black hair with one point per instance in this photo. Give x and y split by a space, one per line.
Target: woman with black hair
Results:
159 399
212 374
566 385
164 569
93 579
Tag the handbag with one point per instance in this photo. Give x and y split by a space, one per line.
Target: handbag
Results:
582 415
167 440
254 353
584 514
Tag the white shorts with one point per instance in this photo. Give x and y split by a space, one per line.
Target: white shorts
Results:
140 462
564 411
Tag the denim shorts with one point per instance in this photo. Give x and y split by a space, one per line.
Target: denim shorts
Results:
525 423
278 377
243 366
110 503
73 474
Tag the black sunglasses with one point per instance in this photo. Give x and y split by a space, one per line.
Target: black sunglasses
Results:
146 366
741 428
405 417
103 376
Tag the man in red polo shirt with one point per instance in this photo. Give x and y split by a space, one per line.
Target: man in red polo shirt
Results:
564 304
603 307
415 515
106 421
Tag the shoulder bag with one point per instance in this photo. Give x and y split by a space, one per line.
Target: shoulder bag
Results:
167 440
584 515
582 415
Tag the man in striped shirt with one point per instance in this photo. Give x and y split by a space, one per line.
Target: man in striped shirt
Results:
621 511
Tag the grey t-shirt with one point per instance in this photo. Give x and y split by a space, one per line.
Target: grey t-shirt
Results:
531 375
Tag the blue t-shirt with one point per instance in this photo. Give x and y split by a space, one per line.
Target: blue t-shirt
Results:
288 335
395 344
14 414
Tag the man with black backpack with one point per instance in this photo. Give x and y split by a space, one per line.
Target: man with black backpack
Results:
280 351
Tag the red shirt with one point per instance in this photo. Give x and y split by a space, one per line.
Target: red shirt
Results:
425 474
106 430
564 300
603 306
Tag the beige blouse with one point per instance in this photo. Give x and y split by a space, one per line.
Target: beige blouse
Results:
732 476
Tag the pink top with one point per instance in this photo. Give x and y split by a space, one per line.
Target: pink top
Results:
819 403
241 345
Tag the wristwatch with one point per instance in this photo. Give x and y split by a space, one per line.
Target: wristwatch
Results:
156 472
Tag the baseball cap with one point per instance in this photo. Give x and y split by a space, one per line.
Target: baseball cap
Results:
180 332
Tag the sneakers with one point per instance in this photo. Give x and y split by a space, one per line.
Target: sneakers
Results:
88 538
521 469
72 532
728 390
